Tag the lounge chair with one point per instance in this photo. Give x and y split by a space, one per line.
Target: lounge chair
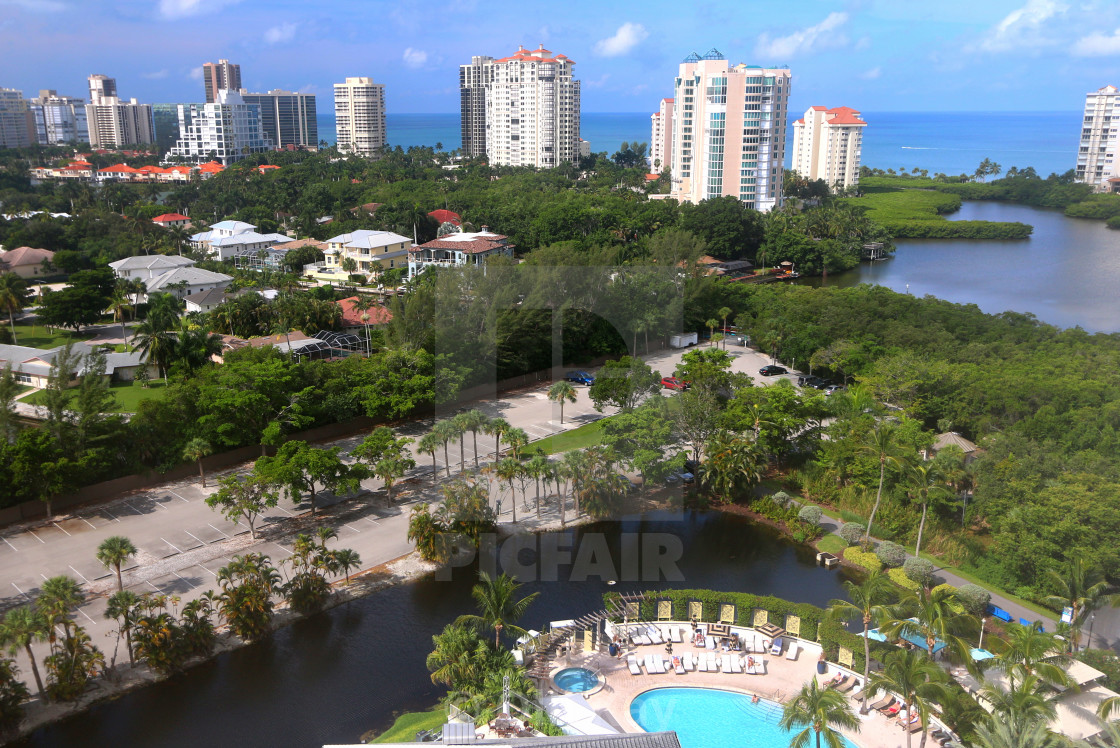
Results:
736 664
640 639
713 665
776 647
836 681
675 634
655 635
916 727
792 650
725 663
848 685
686 660
709 642
632 663
678 665
702 663
883 709
885 701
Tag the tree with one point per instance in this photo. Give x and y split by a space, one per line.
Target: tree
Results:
623 384
473 421
732 466
696 418
347 560
926 483
496 427
12 694
994 733
868 600
81 303
429 444
445 431
194 451
882 443
822 711
157 344
299 467
561 392
706 370
21 627
1022 703
1082 590
499 606
243 498
1030 651
460 658
711 324
9 389
517 439
122 607
394 466
248 584
460 426
506 470
430 537
917 679
724 313
113 552
59 596
13 298
933 616
537 468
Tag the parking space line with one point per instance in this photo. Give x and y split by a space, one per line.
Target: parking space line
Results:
32 534
9 544
285 511
205 569
79 574
149 583
352 528
85 613
60 527
172 545
285 549
178 496
110 513
371 521
219 531
83 519
19 590
188 532
177 574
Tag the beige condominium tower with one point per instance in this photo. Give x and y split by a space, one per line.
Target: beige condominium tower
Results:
1097 154
359 111
827 144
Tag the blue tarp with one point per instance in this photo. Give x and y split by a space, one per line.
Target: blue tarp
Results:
914 639
981 654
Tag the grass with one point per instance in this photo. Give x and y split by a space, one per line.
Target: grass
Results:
408 724
127 395
39 336
585 436
833 544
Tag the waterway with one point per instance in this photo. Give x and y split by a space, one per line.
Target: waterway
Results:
1066 274
330 678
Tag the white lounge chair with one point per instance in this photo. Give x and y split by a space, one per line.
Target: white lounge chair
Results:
725 663
713 666
702 665
679 667
736 664
655 635
749 667
776 647
792 650
641 639
632 663
686 660
675 634
710 642
760 666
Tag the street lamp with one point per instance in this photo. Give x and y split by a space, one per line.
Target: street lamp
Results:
983 623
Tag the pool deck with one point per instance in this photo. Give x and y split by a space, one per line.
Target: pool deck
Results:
783 679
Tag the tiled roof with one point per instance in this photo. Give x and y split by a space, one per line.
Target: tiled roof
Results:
351 317
22 256
146 262
954 439
170 217
447 216
367 239
536 55
119 169
190 275
206 298
469 243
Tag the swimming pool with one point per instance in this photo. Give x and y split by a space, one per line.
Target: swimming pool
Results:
576 679
711 718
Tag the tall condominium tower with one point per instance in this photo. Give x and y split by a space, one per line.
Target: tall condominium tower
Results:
59 119
220 75
114 123
474 79
661 136
529 108
1097 155
827 144
101 87
288 118
729 131
359 111
226 130
17 124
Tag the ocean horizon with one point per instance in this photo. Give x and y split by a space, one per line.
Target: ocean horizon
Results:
948 142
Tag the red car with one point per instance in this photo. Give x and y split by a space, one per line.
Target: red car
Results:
672 383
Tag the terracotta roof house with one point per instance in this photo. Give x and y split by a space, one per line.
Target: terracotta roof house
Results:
447 216
352 318
458 250
26 262
172 219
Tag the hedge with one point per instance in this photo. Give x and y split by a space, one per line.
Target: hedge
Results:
864 559
814 626
891 554
974 598
898 576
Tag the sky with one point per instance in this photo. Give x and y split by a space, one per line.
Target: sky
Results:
873 55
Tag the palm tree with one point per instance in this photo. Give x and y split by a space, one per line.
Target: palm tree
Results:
13 297
194 451
121 607
507 469
724 313
153 339
517 439
578 465
867 600
909 673
59 595
429 444
460 425
347 560
496 427
1022 703
498 606
932 615
445 431
473 421
20 628
996 734
881 442
536 468
1032 652
562 392
113 552
1083 591
926 480
821 711
118 303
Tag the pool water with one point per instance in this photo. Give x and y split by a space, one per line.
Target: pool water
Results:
711 718
576 679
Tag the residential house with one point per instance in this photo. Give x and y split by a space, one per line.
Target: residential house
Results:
26 262
185 281
458 250
377 316
148 266
167 220
204 301
32 366
227 239
371 251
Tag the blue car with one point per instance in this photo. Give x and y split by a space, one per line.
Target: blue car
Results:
579 377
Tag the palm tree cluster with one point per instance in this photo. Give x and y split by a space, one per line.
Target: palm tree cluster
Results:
307 588
166 339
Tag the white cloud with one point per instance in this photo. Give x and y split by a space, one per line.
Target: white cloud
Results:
1022 27
872 74
196 73
171 10
863 43
415 58
156 75
628 36
598 83
1097 45
285 32
825 34
37 6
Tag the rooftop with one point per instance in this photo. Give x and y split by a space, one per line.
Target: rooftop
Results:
192 276
469 242
351 317
22 256
148 262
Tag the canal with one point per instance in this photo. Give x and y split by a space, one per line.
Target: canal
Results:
1067 273
336 675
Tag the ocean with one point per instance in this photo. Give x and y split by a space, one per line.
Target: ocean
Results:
949 142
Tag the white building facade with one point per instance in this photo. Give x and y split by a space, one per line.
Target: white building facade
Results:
359 111
113 123
1100 142
827 144
661 136
225 131
729 131
474 80
458 250
59 119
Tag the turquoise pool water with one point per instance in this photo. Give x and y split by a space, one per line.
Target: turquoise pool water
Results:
576 679
710 718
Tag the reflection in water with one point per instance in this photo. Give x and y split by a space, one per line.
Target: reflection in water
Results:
1066 274
334 676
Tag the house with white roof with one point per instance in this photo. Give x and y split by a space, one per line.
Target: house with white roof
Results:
32 366
185 281
146 267
371 251
227 239
458 250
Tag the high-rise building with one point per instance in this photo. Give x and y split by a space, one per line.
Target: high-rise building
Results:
359 113
729 131
1097 155
288 118
827 144
661 137
226 131
101 87
165 118
474 79
17 124
219 75
529 108
59 119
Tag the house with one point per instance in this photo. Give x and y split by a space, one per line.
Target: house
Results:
378 315
167 220
185 281
952 438
32 366
458 250
227 239
26 262
119 173
447 216
371 251
148 266
204 301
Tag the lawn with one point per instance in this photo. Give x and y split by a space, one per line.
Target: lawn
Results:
40 336
833 544
126 394
408 724
579 438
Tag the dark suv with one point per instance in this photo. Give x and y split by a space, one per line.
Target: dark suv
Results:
811 381
579 377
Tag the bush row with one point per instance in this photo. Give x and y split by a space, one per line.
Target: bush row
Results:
933 229
863 559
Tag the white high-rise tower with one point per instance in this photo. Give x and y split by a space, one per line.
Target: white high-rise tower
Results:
359 110
1100 142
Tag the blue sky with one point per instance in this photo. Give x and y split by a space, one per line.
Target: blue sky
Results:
874 55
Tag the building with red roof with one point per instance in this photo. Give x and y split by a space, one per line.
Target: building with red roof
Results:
172 219
828 144
458 250
377 315
446 216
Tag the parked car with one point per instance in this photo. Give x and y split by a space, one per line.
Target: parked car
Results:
681 477
672 383
772 370
832 388
579 377
811 380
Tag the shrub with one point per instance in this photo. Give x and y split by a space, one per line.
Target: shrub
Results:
945 586
919 569
851 532
898 576
891 554
810 514
974 598
804 532
863 559
781 498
